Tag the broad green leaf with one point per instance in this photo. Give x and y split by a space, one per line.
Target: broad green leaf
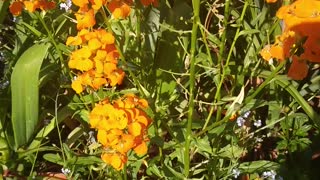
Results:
84 161
25 93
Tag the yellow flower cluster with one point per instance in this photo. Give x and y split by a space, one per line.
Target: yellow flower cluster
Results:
300 38
96 60
122 125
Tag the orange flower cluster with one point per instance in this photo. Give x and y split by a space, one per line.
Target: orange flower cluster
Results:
119 9
31 5
96 60
300 38
122 126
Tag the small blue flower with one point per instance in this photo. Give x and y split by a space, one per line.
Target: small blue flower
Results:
240 121
257 123
65 171
269 175
246 114
235 173
66 6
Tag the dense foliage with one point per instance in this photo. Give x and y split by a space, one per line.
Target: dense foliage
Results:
159 89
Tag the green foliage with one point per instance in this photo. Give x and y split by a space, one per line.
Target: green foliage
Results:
294 133
25 93
219 110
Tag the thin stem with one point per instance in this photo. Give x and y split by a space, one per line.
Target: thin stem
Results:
52 39
221 56
138 26
122 57
196 9
204 38
218 93
265 83
57 125
224 34
125 172
247 100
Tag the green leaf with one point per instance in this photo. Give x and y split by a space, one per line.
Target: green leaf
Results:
63 113
3 10
256 166
249 31
25 93
301 101
231 151
54 158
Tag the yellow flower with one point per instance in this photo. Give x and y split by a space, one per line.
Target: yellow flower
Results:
80 59
97 4
80 3
116 160
134 129
77 85
94 44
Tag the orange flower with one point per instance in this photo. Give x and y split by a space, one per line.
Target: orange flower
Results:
298 69
125 144
119 9
16 8
116 160
299 39
97 4
80 59
274 51
80 3
141 149
85 19
150 2
116 77
121 127
135 128
271 1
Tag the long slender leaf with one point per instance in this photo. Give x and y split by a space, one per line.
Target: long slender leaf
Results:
297 96
25 93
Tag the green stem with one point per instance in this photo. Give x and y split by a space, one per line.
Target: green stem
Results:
122 57
52 39
265 83
196 9
125 172
204 38
57 126
218 92
138 26
224 34
247 100
221 56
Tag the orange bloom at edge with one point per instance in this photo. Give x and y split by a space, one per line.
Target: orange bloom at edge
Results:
271 1
16 8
